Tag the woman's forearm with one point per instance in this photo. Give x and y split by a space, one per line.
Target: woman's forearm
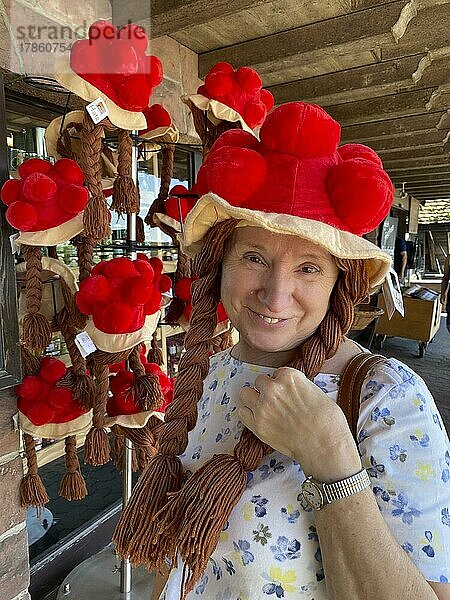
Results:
361 559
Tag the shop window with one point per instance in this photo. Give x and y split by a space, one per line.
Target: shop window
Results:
53 530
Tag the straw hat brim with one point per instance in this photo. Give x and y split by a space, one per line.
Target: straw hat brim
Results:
119 342
216 111
54 235
120 117
56 431
211 209
168 135
135 421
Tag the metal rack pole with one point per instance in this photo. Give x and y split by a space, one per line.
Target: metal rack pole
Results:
125 565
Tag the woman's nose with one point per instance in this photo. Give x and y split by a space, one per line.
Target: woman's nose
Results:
275 292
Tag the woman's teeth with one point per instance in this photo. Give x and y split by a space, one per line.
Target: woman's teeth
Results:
268 319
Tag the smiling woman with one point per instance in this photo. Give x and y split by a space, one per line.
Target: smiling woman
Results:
259 488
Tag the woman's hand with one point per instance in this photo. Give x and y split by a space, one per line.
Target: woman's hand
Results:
293 416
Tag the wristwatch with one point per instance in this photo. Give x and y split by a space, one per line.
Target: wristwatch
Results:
317 494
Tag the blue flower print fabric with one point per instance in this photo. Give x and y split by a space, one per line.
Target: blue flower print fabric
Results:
269 548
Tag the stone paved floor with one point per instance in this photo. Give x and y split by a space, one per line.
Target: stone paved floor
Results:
434 367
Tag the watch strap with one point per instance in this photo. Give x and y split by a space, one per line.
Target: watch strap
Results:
346 487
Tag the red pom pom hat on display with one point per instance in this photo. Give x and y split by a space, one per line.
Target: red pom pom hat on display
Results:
123 298
234 96
295 181
46 204
49 410
112 64
62 140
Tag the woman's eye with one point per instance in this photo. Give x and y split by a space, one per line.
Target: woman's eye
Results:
309 269
255 259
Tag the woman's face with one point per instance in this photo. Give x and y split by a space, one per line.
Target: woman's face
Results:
275 289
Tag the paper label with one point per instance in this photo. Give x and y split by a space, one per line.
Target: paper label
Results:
393 297
97 110
85 344
13 239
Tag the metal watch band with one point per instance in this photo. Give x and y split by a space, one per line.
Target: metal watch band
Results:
346 487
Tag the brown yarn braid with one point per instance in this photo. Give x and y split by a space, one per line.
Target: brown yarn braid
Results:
96 214
32 490
36 329
168 154
206 130
143 440
85 246
73 485
145 389
96 447
64 141
154 355
125 192
222 342
176 307
192 520
163 475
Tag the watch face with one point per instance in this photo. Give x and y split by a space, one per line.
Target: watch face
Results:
312 494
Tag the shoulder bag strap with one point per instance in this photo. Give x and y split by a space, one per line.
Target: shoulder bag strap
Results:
351 383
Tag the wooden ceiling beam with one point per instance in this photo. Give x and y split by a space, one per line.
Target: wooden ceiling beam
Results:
377 79
355 32
163 17
392 128
415 139
405 104
426 151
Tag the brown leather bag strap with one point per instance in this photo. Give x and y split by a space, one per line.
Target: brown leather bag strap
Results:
349 393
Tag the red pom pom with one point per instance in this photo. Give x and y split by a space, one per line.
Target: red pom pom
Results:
60 397
218 84
249 79
87 308
361 194
254 114
11 191
34 165
95 289
134 92
69 412
119 268
69 171
39 413
154 303
72 199
238 138
165 283
137 290
121 382
155 116
39 187
267 99
157 266
136 36
221 313
348 151
223 67
183 289
303 130
235 173
102 30
98 268
31 388
22 216
115 317
145 269
173 206
121 404
52 369
155 71
187 311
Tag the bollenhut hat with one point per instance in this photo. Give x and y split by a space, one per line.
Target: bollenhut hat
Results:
297 181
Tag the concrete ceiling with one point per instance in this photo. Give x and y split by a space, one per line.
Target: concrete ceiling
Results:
381 68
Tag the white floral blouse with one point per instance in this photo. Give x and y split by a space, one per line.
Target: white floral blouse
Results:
269 548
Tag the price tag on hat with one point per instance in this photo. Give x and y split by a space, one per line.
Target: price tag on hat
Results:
13 239
97 110
85 344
